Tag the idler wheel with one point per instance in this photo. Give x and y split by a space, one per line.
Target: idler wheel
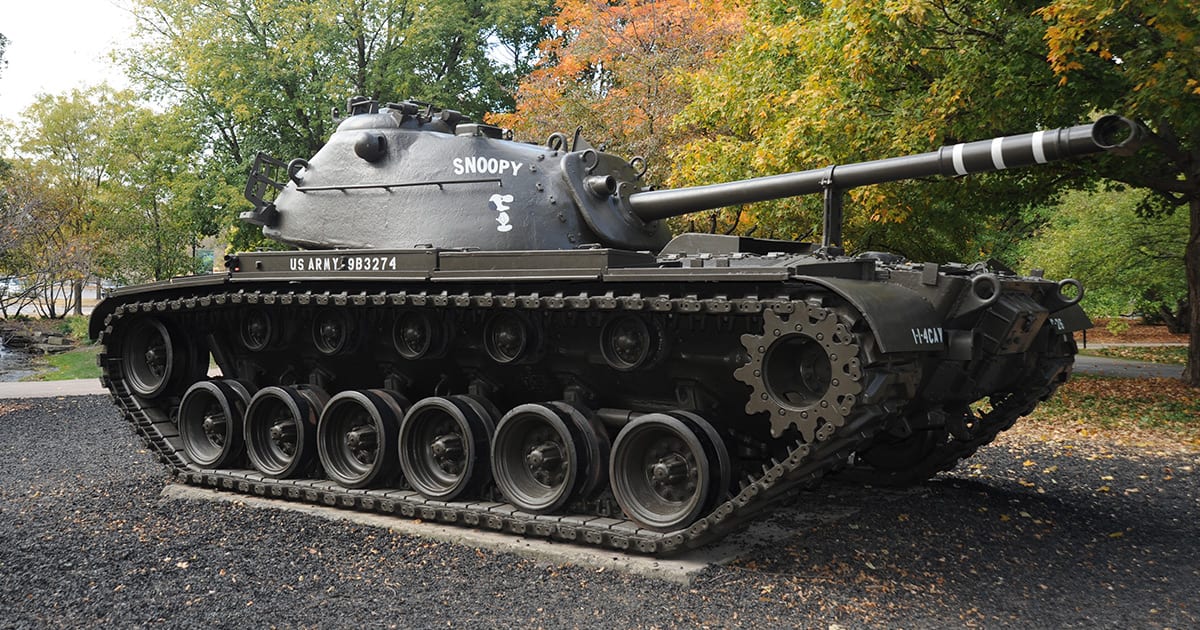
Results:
149 357
331 332
256 330
355 436
668 469
544 455
280 429
210 422
509 338
416 335
444 446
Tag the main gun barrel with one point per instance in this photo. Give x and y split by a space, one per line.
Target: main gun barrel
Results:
1106 134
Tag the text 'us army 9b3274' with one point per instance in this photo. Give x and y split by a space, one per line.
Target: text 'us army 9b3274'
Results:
504 336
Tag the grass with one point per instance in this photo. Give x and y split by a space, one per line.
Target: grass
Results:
73 364
1174 355
1125 407
78 363
75 327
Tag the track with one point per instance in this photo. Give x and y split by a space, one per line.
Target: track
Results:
803 463
943 449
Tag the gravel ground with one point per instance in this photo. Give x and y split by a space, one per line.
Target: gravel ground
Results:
1029 534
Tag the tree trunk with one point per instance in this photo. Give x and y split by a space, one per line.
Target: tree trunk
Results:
1191 258
1175 321
77 293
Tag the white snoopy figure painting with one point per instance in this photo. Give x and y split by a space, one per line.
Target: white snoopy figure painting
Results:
500 205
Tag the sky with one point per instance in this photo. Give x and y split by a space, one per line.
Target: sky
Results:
57 45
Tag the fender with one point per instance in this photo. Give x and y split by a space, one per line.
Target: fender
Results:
901 319
155 290
1070 319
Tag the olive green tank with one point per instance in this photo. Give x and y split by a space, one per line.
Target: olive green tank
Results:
504 336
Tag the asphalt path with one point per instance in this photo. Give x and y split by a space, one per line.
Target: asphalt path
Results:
1105 366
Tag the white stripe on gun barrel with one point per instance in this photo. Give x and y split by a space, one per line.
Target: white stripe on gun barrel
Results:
1039 152
959 167
997 156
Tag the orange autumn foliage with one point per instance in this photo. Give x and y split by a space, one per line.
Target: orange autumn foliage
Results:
621 69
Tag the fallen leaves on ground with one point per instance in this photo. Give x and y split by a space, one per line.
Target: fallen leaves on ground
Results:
7 407
1136 333
1171 355
1159 413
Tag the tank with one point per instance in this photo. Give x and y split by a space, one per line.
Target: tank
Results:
503 335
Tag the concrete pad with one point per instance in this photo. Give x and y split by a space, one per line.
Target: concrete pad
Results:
681 569
52 389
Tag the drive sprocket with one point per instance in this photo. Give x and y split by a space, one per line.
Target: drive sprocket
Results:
804 370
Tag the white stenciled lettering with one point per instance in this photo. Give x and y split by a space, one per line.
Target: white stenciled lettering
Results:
927 336
347 263
367 263
484 165
323 264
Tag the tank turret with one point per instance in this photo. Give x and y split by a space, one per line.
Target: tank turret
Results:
408 174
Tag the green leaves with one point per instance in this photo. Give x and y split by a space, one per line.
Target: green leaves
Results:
850 81
251 75
266 73
1127 262
152 217
100 189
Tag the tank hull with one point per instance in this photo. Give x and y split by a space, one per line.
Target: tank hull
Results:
794 366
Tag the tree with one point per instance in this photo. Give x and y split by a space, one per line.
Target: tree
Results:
821 84
64 143
152 219
102 188
1127 261
24 220
848 80
1144 60
42 252
619 69
263 75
